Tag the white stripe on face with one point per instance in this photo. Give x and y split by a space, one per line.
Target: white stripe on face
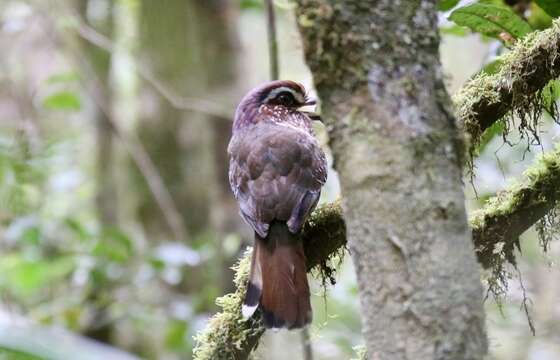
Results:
300 98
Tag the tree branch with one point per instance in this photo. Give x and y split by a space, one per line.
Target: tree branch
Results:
525 71
202 106
272 42
132 144
498 225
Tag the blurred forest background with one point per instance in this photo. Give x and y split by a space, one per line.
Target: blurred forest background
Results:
116 219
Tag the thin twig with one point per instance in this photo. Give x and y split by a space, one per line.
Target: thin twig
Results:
272 42
179 102
135 148
142 159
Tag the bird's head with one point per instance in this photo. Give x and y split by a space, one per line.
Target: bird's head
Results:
278 96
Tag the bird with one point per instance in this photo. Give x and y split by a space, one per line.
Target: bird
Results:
276 171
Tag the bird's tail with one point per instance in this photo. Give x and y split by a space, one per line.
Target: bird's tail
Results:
278 280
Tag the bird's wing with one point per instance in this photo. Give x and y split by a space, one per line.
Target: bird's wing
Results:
276 173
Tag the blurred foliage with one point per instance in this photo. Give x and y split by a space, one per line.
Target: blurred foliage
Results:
551 7
251 4
63 100
6 354
444 5
538 18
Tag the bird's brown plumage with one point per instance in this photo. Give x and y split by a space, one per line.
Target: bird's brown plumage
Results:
277 169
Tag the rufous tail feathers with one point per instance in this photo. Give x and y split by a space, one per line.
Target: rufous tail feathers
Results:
278 280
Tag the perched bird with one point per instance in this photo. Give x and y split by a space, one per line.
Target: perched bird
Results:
276 172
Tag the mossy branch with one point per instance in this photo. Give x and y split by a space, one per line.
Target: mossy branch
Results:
498 225
525 71
228 336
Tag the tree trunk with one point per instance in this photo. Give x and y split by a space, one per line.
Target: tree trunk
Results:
399 156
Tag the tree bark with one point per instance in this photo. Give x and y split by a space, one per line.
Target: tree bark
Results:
175 139
399 156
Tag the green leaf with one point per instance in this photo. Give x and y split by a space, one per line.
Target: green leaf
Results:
454 30
25 277
77 228
538 18
285 4
63 100
175 334
8 354
551 93
65 77
32 235
552 7
496 129
493 2
114 245
491 20
444 5
251 4
36 342
157 264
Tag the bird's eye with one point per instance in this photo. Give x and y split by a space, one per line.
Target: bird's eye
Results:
285 99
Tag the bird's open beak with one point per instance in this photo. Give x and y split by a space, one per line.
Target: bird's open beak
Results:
312 115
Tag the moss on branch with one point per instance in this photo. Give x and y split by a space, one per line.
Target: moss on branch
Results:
516 89
498 225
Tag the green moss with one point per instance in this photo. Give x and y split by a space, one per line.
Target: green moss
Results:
543 174
514 92
361 352
227 332
540 189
